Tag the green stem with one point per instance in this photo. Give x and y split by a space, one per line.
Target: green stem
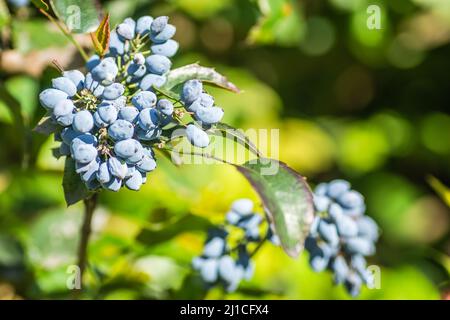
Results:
67 34
199 154
85 232
264 240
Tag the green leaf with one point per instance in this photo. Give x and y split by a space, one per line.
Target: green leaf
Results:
25 90
187 223
36 34
194 71
40 4
287 200
14 107
281 23
4 14
74 188
46 126
442 190
80 16
100 38
229 132
168 93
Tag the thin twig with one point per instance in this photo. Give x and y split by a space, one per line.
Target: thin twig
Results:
67 34
85 232
198 154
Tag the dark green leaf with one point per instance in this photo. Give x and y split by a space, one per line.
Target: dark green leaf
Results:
195 71
168 93
40 4
31 35
229 132
13 105
287 200
4 14
187 223
74 188
46 126
56 153
80 16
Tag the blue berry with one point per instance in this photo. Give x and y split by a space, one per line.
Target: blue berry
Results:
121 130
321 203
146 164
84 153
107 112
103 174
143 25
134 182
83 121
93 62
233 217
168 48
113 91
63 108
125 31
192 90
77 78
144 99
353 284
209 270
165 107
337 187
158 64
359 245
116 46
105 72
117 168
367 228
114 185
91 171
351 199
197 136
127 148
203 101
148 118
340 269
148 135
328 232
346 226
164 35
152 80
243 207
66 85
49 98
137 71
120 102
158 24
214 247
129 114
209 116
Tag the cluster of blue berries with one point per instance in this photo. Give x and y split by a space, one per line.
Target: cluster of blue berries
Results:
219 263
341 236
201 106
110 118
146 69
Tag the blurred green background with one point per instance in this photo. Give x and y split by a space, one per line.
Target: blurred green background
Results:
364 105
